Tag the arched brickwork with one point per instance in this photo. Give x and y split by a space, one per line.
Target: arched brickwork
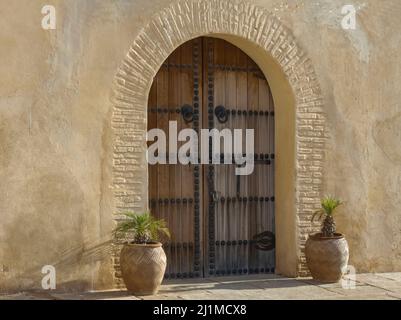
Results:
186 20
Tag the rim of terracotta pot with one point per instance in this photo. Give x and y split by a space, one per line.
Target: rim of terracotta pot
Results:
318 236
148 245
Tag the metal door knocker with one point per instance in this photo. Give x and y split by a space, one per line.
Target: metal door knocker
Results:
187 113
265 241
221 114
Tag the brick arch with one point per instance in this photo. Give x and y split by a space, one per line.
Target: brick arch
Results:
188 19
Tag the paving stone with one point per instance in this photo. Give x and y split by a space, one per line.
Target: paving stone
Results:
396 276
234 292
97 295
26 296
378 280
246 278
366 290
396 295
186 286
161 297
266 287
196 295
364 297
326 285
306 292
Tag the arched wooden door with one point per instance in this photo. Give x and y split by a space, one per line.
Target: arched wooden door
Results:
221 224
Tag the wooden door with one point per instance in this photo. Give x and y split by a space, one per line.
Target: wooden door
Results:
221 224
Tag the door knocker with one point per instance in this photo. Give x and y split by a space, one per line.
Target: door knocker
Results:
187 113
221 114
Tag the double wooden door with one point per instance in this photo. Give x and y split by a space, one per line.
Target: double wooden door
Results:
221 223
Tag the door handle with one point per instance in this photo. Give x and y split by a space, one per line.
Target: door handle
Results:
187 113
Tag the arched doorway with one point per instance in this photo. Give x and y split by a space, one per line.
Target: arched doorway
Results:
300 121
221 223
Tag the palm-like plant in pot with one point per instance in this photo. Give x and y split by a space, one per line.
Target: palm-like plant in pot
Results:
327 252
142 258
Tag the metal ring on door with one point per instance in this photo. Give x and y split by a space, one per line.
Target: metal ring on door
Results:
187 113
221 114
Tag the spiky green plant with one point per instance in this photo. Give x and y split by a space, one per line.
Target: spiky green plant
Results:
329 204
142 228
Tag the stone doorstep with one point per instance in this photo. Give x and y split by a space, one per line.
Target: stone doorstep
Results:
187 285
213 283
275 287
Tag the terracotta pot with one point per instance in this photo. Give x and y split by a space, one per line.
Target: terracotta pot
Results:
143 267
327 258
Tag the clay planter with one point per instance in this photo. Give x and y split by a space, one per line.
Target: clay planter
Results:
143 267
327 258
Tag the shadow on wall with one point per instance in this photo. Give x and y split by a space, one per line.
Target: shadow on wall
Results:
69 268
49 227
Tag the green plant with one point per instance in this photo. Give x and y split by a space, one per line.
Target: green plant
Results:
329 204
143 228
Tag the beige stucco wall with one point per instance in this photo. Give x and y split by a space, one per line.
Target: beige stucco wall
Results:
55 198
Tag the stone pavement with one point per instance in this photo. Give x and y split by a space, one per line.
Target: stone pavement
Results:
266 287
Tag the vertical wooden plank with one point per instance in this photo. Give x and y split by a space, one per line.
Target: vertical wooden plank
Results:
187 177
206 254
152 123
271 134
162 80
174 187
263 176
219 178
178 170
231 103
197 250
242 103
253 104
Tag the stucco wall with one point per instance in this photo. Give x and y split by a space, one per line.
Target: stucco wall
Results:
55 198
